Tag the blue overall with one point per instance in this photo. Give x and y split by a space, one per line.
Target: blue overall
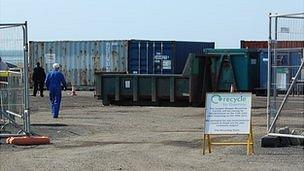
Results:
53 82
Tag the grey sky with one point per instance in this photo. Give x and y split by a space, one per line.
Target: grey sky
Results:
224 21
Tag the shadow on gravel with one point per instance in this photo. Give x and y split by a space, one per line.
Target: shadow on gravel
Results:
188 144
185 131
295 125
96 143
50 125
197 143
259 107
81 117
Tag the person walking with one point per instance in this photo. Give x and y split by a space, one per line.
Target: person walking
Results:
38 78
54 81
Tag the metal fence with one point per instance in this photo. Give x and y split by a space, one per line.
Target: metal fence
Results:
14 92
285 112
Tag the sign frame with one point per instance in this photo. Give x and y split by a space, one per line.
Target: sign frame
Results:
207 136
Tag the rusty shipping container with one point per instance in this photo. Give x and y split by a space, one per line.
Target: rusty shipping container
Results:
264 44
80 59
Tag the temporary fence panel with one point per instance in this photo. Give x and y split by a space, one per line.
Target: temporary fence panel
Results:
80 59
285 112
14 100
161 57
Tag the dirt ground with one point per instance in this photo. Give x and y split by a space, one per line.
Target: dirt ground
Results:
89 136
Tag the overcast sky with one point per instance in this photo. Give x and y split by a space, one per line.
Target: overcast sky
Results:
225 22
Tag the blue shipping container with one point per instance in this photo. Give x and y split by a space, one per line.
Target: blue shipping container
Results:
291 58
161 57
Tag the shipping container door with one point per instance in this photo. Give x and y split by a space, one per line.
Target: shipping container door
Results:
162 59
135 52
150 57
144 57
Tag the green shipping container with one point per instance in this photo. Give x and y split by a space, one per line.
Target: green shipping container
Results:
238 67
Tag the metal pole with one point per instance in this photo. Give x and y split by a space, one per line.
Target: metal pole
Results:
294 15
26 89
286 135
12 24
11 135
269 73
274 74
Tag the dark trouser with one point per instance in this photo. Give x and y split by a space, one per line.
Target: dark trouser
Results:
40 85
55 98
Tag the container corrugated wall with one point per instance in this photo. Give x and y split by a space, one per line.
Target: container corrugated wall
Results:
184 48
80 59
161 57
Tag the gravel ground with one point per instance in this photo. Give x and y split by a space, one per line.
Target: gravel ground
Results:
89 136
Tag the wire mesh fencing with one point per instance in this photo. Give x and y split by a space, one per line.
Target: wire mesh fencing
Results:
14 100
285 91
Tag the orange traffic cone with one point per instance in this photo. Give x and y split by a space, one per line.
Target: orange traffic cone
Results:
73 92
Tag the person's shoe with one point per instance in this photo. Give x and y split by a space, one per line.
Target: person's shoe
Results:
41 95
